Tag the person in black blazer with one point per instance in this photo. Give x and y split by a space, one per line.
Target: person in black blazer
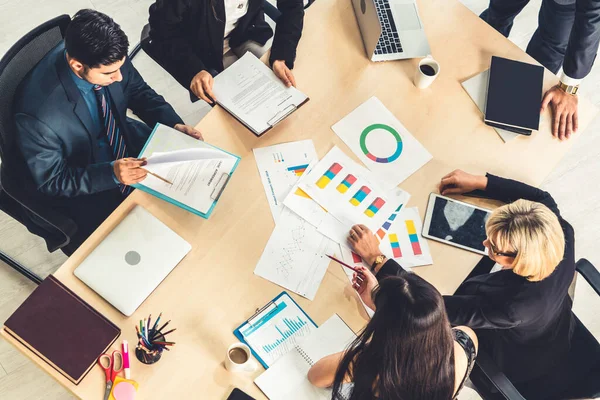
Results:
568 35
189 38
521 314
62 131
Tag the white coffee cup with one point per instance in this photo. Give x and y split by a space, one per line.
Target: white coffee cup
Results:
426 73
239 359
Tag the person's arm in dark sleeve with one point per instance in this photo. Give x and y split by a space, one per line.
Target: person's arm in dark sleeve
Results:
145 102
42 150
583 42
287 32
389 268
170 42
476 313
508 190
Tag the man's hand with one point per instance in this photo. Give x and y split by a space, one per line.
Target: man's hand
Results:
459 182
284 73
128 170
189 130
564 110
202 85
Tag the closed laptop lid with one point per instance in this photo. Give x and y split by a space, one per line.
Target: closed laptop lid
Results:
132 260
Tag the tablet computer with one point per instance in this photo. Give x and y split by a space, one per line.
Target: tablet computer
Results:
455 223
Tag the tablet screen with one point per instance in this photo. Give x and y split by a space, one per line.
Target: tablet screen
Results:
458 223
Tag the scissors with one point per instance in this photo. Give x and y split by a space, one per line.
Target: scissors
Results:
109 364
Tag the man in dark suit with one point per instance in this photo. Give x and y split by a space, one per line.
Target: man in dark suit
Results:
190 38
72 128
567 35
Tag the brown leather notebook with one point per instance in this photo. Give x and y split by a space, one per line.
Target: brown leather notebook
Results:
62 329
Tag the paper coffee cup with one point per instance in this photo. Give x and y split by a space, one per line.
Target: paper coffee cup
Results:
427 70
239 359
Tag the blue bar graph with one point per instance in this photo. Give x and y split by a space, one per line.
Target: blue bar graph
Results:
293 326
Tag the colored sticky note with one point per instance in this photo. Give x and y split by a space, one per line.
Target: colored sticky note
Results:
123 389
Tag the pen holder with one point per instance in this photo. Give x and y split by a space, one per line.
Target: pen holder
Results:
149 355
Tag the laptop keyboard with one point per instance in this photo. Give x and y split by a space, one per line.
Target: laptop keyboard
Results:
389 42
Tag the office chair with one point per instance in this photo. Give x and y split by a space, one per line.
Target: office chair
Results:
18 196
578 375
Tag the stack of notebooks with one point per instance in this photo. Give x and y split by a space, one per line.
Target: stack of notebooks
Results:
62 329
514 96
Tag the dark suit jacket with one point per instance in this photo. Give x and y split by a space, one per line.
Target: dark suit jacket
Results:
525 326
187 35
55 132
584 40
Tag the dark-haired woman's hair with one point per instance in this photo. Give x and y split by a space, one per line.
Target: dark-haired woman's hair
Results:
406 350
94 39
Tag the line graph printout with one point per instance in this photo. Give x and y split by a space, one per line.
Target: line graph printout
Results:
294 257
277 329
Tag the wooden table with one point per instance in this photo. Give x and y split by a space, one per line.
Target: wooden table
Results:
214 289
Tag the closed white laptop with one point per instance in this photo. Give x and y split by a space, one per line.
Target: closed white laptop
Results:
132 260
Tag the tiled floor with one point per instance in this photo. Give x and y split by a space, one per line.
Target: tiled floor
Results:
572 183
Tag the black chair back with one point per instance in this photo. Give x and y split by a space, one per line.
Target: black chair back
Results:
18 195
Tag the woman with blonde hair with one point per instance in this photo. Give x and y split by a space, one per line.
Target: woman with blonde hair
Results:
521 314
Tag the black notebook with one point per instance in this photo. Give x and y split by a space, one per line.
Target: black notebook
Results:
514 95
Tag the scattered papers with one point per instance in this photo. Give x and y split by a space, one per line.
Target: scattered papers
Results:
381 142
476 87
402 240
350 192
280 167
295 256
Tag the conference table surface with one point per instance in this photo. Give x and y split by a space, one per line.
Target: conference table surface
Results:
214 288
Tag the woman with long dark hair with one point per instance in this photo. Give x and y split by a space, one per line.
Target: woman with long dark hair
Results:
408 350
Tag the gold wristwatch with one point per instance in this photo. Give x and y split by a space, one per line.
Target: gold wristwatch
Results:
380 258
572 90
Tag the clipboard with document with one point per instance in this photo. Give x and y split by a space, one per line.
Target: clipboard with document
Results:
254 95
185 171
275 329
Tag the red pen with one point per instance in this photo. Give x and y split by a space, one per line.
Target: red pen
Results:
125 348
358 271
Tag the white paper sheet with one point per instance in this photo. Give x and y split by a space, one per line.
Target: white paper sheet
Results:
410 248
476 87
249 90
363 201
280 167
295 256
381 142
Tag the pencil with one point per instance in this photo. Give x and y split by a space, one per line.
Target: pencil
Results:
156 333
358 271
156 322
158 176
166 333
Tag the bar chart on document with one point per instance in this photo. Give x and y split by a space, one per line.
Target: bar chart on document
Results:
277 330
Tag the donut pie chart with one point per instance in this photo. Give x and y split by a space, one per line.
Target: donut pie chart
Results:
374 157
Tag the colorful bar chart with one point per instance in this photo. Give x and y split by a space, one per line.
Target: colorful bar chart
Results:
374 207
380 233
346 183
293 326
278 157
414 237
329 175
360 196
395 245
301 193
298 169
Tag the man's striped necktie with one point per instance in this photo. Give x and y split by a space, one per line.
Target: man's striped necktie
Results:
113 133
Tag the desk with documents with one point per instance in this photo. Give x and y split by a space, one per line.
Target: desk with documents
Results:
213 289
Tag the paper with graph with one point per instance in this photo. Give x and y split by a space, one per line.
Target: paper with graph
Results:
350 192
381 142
280 166
400 239
294 257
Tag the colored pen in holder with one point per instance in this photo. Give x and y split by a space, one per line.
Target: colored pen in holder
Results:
151 340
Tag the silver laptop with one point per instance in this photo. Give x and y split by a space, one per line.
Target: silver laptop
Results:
132 260
391 29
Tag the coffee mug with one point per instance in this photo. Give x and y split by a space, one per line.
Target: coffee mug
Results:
426 73
239 359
